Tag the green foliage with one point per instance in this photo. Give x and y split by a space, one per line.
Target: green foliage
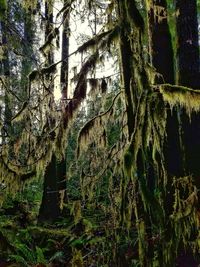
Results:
58 256
19 259
27 256
3 7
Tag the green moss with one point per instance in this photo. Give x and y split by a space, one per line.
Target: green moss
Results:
129 161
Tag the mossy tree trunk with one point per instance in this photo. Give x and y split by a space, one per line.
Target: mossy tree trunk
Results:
6 75
62 167
188 65
27 61
65 54
136 85
161 50
58 162
163 61
50 205
162 58
155 149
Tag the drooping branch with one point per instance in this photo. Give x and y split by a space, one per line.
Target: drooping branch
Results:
182 96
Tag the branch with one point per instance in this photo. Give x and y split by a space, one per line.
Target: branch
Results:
175 88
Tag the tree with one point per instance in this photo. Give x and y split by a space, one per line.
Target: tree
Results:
187 43
160 39
136 81
150 199
50 208
188 75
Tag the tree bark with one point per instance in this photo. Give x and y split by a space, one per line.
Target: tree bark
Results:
162 57
5 72
161 50
187 43
65 55
57 165
50 205
49 209
189 75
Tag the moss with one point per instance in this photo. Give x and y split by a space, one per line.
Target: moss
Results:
129 157
77 260
134 15
181 96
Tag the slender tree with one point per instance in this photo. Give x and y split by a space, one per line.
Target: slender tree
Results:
65 53
5 77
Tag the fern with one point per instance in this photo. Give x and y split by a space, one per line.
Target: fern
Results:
40 255
27 257
26 253
19 259
58 256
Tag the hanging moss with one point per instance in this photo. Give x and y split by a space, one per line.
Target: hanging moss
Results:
181 96
134 15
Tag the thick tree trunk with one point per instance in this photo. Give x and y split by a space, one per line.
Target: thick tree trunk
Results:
161 50
189 75
49 209
162 58
187 43
65 94
60 164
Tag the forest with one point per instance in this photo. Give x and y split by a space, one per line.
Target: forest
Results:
99 133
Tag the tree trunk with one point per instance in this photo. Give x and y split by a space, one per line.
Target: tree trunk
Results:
161 50
49 209
5 71
187 43
160 159
65 54
189 75
59 184
162 58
